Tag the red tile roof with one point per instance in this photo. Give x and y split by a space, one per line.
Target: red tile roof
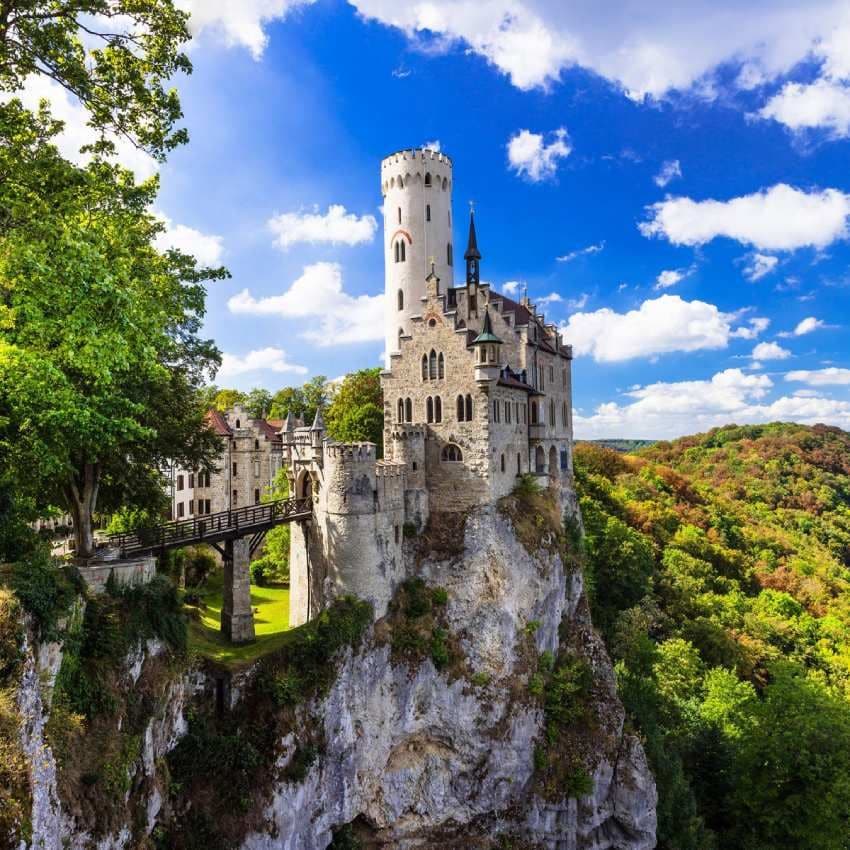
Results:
215 419
267 429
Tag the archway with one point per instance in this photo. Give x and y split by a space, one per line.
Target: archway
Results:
539 460
304 486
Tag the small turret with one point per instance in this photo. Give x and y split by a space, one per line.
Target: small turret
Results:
486 352
317 429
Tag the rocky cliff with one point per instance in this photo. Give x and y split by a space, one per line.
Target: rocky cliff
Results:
481 711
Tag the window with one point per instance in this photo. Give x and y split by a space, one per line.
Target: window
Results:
235 500
415 467
399 215
438 409
524 415
181 509
424 367
432 365
428 179
508 413
401 243
400 300
396 532
400 335
191 506
452 454
179 482
399 251
256 445
256 469
191 480
564 378
552 412
449 255
238 424
533 408
564 418
427 212
460 409
503 463
395 251
257 496
469 408
518 464
429 409
551 374
441 367
408 410
445 184
400 417
207 506
542 373
495 410
200 507
235 468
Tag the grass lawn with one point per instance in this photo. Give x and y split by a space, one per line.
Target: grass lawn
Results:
271 622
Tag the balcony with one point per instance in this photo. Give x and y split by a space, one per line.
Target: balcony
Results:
537 432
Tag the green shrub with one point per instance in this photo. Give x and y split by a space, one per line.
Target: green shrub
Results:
408 640
288 689
439 648
45 590
481 679
527 485
11 634
439 596
531 627
541 759
579 783
258 573
345 839
300 763
536 684
417 599
409 530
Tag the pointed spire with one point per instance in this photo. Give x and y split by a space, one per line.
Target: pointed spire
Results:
318 422
472 252
288 423
487 335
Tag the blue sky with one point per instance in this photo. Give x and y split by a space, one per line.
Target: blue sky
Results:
591 140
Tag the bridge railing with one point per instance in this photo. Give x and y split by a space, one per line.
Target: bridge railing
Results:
171 535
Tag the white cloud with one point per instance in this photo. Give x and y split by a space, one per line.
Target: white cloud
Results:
670 277
433 146
666 410
823 103
781 218
807 325
205 248
757 326
832 376
336 318
770 351
240 24
528 154
264 359
759 265
578 303
670 170
336 226
512 287
580 252
76 132
647 50
551 298
658 326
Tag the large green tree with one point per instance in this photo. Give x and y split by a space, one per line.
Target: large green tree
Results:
356 412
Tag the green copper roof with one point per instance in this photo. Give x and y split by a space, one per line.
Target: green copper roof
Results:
487 334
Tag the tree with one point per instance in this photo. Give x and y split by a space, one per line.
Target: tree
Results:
120 73
301 401
315 395
285 401
356 412
225 399
258 403
100 358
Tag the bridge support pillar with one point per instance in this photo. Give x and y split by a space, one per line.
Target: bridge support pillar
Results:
237 617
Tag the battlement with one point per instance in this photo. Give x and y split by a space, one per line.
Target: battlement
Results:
410 154
357 452
407 432
390 469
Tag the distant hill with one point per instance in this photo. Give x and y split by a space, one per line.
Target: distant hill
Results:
719 568
621 445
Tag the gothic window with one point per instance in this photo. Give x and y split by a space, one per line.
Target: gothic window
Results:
441 367
424 367
256 444
552 412
396 251
400 335
564 378
438 409
449 254
469 408
564 414
452 454
533 408
495 410
503 463
428 179
460 409
432 365
400 298
237 424
429 409
508 412
400 410
427 212
408 410
445 184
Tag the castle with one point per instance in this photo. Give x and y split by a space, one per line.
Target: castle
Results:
477 391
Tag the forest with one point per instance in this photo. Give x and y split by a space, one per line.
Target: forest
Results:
718 572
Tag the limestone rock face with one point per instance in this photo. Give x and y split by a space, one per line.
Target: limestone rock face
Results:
425 761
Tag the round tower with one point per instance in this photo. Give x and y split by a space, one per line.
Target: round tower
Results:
417 189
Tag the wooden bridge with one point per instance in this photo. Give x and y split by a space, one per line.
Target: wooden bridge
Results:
252 521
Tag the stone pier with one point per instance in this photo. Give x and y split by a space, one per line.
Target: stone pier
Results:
237 617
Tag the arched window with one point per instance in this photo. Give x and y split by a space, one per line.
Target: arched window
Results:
428 179
432 365
438 409
408 410
552 412
256 444
452 454
399 215
539 460
460 409
518 464
400 298
429 409
441 367
400 410
564 414
397 251
401 250
449 255
445 184
533 409
238 424
469 408
503 463
427 212
400 335
424 367
508 412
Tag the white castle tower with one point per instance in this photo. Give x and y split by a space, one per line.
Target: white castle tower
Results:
417 189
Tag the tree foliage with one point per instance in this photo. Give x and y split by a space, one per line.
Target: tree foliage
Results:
356 413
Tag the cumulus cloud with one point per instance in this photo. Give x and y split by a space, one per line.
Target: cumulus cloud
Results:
529 155
658 326
551 298
666 410
759 266
336 226
205 248
648 53
433 146
807 325
241 24
670 277
670 170
831 376
513 287
335 317
757 325
581 252
822 104
262 360
76 132
781 218
770 351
